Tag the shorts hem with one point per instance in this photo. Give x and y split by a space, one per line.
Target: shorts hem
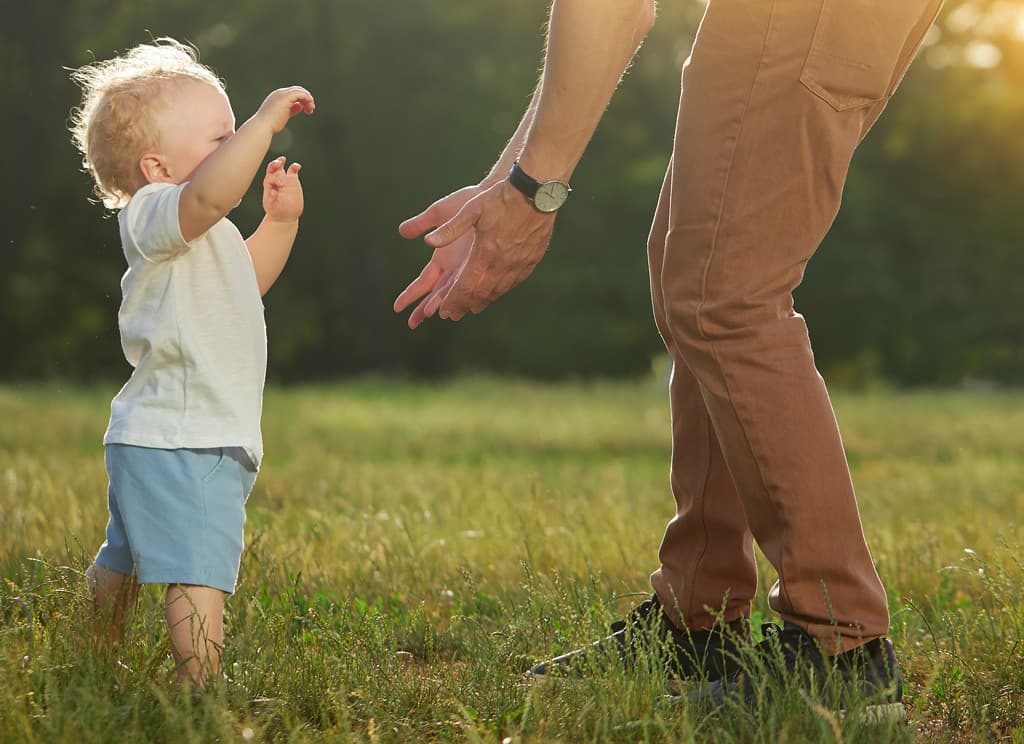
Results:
107 565
157 577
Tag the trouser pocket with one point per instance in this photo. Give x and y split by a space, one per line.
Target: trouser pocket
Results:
212 459
861 48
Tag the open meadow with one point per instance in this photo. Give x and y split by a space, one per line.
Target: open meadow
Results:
412 549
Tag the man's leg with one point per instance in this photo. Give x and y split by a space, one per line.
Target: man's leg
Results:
707 568
772 108
708 549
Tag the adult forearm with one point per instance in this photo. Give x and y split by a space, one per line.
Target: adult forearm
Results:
270 246
590 45
515 145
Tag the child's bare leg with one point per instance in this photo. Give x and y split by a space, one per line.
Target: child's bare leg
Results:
195 619
114 596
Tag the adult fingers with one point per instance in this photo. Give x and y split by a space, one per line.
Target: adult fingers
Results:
426 308
418 315
456 303
438 296
476 288
425 220
419 286
441 210
505 283
461 300
464 221
484 291
511 280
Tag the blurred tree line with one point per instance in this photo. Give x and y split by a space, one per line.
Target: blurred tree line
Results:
916 282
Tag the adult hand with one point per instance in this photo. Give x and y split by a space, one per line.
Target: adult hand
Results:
486 241
436 277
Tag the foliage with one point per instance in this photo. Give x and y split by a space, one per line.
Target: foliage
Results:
409 555
914 283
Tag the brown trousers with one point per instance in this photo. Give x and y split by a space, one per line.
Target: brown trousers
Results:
776 95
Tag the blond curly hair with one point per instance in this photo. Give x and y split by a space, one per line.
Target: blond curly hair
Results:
115 124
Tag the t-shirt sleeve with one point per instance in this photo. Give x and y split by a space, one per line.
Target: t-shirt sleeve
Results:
151 224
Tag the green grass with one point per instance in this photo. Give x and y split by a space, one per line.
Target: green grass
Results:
412 549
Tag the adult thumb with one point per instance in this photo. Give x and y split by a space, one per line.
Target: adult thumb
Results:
454 228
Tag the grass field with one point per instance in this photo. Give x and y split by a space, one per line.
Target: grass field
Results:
412 549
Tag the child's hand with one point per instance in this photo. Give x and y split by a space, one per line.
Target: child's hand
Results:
282 192
283 104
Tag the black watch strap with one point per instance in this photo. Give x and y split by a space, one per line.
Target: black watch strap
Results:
527 185
547 196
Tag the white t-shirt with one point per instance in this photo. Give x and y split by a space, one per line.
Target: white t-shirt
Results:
191 322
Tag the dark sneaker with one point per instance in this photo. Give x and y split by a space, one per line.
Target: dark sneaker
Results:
869 674
646 636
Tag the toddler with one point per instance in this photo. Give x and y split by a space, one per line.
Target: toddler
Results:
157 134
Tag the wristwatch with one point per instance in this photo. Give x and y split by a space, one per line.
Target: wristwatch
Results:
545 197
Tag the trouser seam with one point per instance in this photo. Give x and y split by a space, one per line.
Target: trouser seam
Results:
691 588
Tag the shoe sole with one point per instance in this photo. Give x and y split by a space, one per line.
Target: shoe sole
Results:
884 713
874 715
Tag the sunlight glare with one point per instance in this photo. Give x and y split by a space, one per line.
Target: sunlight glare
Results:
983 55
963 19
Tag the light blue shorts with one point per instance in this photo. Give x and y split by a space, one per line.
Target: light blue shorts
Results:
176 515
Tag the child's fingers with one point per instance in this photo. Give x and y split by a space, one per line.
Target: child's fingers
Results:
301 100
278 176
306 99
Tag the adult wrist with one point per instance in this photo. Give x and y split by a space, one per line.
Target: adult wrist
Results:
532 159
546 196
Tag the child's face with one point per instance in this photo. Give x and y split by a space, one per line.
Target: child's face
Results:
196 122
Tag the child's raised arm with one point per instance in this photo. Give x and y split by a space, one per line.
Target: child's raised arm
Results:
271 244
223 178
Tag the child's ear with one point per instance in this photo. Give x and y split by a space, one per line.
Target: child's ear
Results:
154 169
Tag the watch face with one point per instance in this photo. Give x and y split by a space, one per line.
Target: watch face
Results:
550 196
